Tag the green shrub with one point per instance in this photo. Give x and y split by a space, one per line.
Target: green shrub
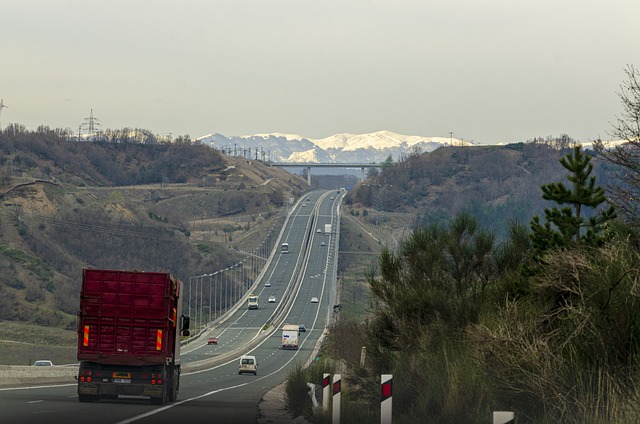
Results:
296 396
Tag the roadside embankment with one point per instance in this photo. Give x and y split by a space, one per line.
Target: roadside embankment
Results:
20 375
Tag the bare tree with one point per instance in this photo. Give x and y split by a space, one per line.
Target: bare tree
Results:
625 193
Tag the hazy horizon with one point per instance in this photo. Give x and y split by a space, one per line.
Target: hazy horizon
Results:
490 71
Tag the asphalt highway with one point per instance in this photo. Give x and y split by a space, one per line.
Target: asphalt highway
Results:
210 388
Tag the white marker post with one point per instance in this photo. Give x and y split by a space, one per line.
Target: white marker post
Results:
504 417
337 387
386 386
326 392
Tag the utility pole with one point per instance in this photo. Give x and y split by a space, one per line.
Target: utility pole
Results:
2 106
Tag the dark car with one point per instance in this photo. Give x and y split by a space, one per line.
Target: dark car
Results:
302 329
212 340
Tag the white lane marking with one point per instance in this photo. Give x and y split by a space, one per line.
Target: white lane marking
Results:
213 392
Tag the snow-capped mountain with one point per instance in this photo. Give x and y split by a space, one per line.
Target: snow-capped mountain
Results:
338 148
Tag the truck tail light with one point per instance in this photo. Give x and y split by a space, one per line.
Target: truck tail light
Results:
85 377
156 379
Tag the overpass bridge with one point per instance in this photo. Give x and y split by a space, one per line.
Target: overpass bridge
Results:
310 165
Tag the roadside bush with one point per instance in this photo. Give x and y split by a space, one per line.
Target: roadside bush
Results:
569 352
296 397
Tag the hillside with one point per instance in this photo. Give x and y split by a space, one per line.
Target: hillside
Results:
190 210
65 205
497 184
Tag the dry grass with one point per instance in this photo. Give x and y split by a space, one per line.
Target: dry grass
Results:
22 344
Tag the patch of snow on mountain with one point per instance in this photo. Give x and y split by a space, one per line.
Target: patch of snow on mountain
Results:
306 156
288 137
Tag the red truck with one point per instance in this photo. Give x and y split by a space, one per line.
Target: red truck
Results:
129 327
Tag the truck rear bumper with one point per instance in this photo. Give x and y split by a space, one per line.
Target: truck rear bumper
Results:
111 389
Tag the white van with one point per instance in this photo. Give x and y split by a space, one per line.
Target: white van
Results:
248 364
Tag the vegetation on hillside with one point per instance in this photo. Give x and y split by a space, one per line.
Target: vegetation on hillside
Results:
495 184
120 204
468 323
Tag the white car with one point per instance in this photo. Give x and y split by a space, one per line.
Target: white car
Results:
314 300
272 299
267 284
43 363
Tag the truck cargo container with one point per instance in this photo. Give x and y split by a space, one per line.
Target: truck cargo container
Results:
129 327
327 229
290 334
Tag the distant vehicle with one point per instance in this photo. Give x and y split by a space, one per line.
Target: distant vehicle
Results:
267 284
323 243
290 334
252 301
331 197
284 248
304 205
314 300
248 364
327 229
43 363
212 340
272 299
318 230
302 329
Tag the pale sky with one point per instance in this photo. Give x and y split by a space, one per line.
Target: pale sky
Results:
491 71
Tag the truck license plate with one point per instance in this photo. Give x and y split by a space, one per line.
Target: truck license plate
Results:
122 380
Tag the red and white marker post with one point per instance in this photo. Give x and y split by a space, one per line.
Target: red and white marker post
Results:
326 392
386 389
504 417
337 388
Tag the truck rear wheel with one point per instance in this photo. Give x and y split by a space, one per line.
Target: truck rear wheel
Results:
173 391
162 400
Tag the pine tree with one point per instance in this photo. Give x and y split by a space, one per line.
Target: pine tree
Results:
567 226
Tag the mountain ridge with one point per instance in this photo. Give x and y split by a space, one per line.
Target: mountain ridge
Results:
341 147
